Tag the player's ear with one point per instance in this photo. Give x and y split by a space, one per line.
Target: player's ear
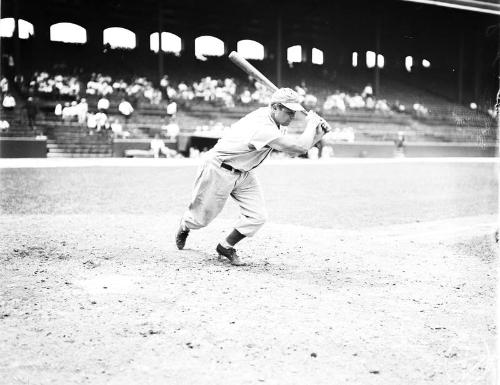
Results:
275 106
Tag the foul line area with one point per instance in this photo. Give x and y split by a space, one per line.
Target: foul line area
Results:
163 162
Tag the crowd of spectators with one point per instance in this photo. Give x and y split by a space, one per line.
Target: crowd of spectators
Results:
106 104
342 101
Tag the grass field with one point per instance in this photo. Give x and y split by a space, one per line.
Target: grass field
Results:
368 272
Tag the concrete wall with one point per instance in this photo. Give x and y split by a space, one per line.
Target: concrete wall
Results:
413 150
23 148
120 145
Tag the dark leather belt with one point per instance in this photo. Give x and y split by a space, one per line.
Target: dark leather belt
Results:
228 167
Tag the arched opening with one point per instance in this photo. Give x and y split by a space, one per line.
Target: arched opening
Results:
118 37
169 42
208 46
317 56
7 28
370 59
380 61
408 63
68 33
354 59
250 49
294 54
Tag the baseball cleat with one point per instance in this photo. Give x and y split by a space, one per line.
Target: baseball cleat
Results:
230 253
180 237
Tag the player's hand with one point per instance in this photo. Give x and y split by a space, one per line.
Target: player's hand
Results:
324 127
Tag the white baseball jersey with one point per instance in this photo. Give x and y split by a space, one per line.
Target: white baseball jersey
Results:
244 145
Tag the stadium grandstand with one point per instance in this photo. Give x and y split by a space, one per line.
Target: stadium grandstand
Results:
103 78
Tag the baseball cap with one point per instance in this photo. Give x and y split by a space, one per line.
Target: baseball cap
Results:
287 97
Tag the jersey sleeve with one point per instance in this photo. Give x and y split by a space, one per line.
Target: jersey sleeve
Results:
264 135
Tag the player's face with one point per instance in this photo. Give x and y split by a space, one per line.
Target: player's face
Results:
283 116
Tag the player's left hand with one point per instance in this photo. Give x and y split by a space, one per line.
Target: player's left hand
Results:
323 126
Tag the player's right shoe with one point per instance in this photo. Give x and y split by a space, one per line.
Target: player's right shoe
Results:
229 253
180 237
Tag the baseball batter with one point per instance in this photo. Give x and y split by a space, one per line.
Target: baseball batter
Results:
228 169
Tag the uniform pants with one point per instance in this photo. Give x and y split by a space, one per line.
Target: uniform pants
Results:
212 188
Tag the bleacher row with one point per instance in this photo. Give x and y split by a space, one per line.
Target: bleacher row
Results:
444 121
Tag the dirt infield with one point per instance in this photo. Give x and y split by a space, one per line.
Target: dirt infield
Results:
366 273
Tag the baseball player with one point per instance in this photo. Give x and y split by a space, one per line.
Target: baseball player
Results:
228 169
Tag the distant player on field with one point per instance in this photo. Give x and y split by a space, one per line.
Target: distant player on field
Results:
228 169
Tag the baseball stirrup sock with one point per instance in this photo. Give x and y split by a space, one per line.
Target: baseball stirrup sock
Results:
234 237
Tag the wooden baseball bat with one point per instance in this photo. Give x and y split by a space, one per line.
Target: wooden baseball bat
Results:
248 68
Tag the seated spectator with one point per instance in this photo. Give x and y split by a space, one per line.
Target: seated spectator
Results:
101 121
4 86
106 89
420 110
246 96
335 102
126 109
172 129
370 102
171 93
69 111
398 107
302 91
367 91
171 109
4 126
9 102
355 102
103 104
158 147
310 101
381 105
327 152
117 129
91 122
313 153
58 110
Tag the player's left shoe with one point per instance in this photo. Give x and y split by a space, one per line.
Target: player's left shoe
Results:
230 253
180 237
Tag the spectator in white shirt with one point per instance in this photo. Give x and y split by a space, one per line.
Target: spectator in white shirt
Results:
9 103
58 110
83 109
158 147
367 91
101 121
91 122
103 104
126 109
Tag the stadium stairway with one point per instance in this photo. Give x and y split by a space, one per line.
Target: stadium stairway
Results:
73 141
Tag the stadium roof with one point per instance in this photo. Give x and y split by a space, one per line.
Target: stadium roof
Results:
485 6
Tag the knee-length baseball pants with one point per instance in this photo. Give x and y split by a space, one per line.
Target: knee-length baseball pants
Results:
213 186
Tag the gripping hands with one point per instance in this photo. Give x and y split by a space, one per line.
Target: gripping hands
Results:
316 121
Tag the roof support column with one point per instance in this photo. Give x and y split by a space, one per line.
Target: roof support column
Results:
160 50
188 48
460 80
17 42
376 80
279 48
478 64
